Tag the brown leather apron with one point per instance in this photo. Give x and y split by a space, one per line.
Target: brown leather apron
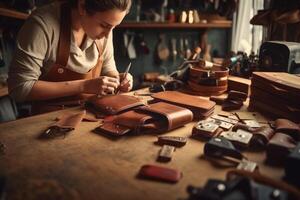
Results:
59 72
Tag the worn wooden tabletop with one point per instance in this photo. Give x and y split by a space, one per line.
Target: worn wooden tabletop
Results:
86 165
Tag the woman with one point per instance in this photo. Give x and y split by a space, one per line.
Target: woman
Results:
64 54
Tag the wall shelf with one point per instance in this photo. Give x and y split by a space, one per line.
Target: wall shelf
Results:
215 24
12 13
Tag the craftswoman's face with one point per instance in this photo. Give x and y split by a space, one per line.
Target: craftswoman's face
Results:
100 24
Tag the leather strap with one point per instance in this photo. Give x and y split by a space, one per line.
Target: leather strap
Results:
208 82
215 71
65 36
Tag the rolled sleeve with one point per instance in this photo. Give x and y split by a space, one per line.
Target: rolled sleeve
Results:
25 68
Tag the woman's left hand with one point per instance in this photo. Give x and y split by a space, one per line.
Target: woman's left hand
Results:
126 83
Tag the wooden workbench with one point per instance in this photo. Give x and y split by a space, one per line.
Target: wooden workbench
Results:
92 166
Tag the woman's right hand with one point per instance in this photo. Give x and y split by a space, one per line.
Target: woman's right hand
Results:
101 86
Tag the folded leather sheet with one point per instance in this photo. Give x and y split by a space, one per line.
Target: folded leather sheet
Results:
157 118
114 104
200 107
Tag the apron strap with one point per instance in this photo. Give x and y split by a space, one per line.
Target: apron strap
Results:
64 35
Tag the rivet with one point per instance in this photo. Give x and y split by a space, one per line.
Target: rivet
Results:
60 70
221 187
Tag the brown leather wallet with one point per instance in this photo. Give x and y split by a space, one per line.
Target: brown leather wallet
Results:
279 147
157 118
200 107
114 104
288 127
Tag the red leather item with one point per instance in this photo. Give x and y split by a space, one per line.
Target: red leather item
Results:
160 173
114 104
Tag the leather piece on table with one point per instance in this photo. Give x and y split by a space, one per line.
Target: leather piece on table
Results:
160 173
176 116
279 99
279 147
278 83
114 104
230 104
70 120
282 110
261 135
236 95
157 118
199 106
239 84
207 90
288 127
272 110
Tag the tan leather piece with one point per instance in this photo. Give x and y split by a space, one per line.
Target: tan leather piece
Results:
199 106
114 104
157 118
176 116
207 90
70 120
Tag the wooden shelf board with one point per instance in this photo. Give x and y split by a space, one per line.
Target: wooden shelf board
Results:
12 13
222 24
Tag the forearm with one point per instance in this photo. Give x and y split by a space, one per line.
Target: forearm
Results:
43 90
113 73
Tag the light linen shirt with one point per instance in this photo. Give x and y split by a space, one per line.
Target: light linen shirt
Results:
36 50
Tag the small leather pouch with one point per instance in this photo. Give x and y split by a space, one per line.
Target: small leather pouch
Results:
279 147
114 104
160 173
201 108
288 127
158 117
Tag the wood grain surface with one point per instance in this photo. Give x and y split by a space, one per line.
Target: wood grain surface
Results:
86 165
